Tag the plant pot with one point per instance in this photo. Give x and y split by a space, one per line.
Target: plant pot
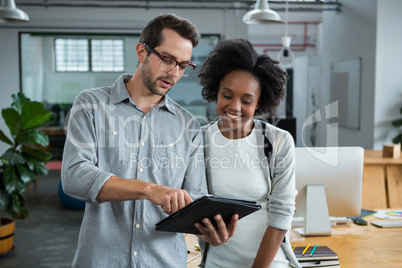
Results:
7 228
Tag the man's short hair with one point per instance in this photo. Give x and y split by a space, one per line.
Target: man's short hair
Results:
152 33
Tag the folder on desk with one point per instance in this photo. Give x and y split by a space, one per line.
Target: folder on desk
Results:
182 221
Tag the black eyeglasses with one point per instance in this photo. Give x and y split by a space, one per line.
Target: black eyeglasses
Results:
168 63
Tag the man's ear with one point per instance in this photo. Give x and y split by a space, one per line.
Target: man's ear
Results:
142 52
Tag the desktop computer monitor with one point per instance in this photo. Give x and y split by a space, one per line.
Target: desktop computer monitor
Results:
329 183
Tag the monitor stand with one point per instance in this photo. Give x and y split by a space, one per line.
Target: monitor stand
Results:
317 218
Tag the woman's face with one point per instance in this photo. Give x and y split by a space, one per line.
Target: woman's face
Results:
238 98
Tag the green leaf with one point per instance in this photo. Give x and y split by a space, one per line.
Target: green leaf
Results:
30 161
22 136
19 100
36 166
12 118
13 158
397 139
33 114
397 122
5 202
40 168
38 137
38 154
4 138
12 183
18 210
26 175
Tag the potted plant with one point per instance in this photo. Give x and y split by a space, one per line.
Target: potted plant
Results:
22 162
398 123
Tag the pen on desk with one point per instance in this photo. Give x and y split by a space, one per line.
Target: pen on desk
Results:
312 252
294 246
304 251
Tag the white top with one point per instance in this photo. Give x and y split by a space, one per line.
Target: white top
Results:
234 169
234 164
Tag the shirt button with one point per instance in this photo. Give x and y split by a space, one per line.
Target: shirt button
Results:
135 253
141 169
145 117
137 226
115 133
143 144
171 145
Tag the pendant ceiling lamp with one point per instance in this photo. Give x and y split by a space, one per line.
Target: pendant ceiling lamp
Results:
285 55
261 14
10 13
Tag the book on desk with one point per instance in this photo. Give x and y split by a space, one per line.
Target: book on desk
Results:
323 257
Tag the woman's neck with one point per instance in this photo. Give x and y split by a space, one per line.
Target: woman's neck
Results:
238 133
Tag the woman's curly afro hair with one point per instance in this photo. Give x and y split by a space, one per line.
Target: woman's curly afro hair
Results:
239 54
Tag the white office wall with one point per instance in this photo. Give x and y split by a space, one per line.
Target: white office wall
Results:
388 84
350 34
307 88
227 23
9 69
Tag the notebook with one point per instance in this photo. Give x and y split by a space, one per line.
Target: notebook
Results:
320 253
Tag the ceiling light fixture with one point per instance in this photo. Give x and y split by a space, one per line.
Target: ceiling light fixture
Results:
261 14
10 13
285 55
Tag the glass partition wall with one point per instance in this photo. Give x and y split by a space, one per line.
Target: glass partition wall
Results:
55 67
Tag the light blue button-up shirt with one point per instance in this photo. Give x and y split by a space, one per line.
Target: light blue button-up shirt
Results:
109 135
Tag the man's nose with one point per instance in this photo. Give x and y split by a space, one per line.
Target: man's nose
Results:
175 71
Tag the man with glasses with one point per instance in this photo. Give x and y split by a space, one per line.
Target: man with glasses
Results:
134 156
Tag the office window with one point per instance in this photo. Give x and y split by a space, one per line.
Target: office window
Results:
107 55
71 55
89 55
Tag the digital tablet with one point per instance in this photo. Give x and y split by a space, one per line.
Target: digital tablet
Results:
183 220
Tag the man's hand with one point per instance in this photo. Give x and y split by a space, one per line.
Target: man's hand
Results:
119 189
170 199
220 236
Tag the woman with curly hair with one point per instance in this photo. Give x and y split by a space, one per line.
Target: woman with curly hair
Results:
247 158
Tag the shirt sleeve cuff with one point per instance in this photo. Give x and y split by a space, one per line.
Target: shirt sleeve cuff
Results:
97 186
279 221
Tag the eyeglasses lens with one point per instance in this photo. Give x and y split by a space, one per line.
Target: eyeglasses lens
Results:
168 64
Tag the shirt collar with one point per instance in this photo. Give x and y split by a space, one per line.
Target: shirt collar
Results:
120 93
169 104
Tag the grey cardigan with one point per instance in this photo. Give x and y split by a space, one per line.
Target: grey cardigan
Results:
276 149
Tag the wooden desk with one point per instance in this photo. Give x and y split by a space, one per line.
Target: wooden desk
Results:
357 246
382 181
194 257
361 246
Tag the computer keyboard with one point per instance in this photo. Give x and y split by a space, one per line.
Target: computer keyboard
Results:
340 221
335 221
387 224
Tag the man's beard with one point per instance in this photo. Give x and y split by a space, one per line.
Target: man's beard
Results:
146 74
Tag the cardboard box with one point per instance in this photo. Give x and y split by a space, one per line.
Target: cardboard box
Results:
393 150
